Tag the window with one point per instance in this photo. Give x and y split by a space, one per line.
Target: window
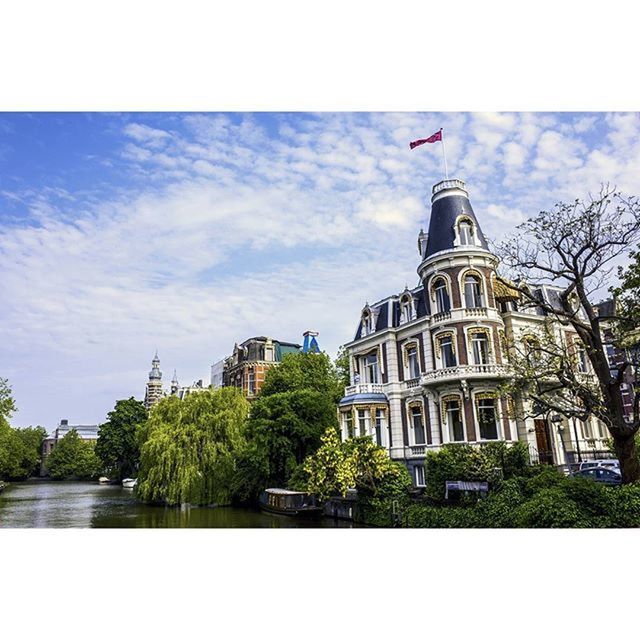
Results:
465 229
419 475
480 347
251 382
472 292
586 429
487 419
367 323
363 422
268 354
348 424
371 367
582 358
381 423
454 420
412 361
441 295
417 425
406 312
447 351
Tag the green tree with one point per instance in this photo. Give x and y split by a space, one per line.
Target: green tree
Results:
20 449
357 464
118 445
296 405
73 457
7 404
284 428
341 364
190 448
304 371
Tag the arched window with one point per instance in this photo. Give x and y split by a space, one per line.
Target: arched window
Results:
473 291
452 413
480 350
465 231
441 295
411 361
445 350
416 421
487 416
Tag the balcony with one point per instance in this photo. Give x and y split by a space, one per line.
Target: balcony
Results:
417 451
476 312
367 387
412 383
439 317
467 371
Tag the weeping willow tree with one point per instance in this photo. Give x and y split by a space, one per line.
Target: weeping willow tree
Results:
190 446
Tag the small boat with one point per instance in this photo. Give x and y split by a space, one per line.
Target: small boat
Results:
289 503
2 486
103 480
129 483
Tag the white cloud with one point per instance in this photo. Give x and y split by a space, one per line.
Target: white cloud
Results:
232 232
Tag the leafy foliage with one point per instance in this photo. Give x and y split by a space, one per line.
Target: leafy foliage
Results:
490 462
20 449
341 364
73 457
283 429
190 448
304 372
118 444
357 463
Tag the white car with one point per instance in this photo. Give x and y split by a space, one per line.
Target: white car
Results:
612 464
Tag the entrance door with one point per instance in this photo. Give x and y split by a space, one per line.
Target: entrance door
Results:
543 442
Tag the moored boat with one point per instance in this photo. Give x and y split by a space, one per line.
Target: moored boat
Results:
103 480
2 486
289 503
129 483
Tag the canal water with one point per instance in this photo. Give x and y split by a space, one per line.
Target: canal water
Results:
38 503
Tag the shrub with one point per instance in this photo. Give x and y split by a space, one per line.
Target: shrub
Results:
551 507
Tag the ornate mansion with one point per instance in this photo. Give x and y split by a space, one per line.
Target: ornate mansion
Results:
426 365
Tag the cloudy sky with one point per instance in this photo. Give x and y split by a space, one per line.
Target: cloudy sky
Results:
124 233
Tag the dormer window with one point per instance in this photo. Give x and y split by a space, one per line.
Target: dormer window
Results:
441 295
466 232
367 323
406 309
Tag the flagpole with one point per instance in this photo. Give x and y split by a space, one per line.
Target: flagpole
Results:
444 155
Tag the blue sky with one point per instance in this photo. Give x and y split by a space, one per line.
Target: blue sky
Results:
123 233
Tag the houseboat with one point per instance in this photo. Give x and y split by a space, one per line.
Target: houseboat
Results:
289 503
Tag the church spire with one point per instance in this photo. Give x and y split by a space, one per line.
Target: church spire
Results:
174 383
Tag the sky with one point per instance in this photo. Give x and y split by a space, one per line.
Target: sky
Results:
125 233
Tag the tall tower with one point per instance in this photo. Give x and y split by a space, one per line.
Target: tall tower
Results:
154 386
457 270
310 344
174 383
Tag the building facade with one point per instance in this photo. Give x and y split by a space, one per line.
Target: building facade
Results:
427 364
247 366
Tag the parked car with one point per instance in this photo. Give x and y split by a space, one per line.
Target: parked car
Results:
612 464
600 474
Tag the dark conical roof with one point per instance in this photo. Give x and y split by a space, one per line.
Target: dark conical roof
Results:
450 200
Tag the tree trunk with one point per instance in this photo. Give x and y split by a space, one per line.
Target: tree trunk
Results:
625 448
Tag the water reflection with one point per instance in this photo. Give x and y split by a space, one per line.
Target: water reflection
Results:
75 504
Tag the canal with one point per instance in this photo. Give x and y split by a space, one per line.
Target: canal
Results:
38 503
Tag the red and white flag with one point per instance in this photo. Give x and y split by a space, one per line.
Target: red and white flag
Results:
436 137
